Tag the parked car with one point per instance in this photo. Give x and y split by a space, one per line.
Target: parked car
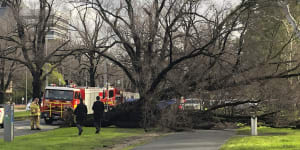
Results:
1 116
192 103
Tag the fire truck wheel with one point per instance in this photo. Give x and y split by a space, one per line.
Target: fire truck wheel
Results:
48 121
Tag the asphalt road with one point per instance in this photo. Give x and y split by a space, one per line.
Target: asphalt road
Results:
194 140
23 128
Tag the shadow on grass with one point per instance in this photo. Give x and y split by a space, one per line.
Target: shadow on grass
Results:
273 134
248 133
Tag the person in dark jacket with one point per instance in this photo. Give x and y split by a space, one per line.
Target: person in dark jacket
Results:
80 113
98 108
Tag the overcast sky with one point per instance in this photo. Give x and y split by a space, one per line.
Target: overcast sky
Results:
34 3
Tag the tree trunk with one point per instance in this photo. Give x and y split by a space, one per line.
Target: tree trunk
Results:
146 97
36 85
2 96
92 69
92 76
2 81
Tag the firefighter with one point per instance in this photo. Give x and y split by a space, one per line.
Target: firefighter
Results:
35 114
98 108
80 113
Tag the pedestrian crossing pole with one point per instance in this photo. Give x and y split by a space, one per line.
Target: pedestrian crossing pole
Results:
8 123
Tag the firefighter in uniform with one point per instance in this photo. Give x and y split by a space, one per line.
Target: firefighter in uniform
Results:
35 114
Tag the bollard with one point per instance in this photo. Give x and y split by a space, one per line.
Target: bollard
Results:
8 123
253 125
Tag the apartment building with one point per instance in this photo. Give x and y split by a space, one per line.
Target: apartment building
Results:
58 22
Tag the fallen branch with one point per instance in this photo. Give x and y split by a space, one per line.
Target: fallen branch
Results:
232 104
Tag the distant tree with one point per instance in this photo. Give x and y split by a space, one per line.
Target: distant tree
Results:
92 39
285 6
55 77
29 38
7 68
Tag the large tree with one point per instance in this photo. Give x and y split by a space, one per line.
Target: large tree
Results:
156 36
220 45
29 36
260 52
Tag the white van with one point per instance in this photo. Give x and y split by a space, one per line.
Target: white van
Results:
1 116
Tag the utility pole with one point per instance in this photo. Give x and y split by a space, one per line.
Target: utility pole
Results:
105 74
86 78
26 86
106 83
46 45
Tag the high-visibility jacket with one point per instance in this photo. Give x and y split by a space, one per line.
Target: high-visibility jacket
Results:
35 109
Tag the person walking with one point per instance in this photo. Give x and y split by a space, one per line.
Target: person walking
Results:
98 108
35 114
80 113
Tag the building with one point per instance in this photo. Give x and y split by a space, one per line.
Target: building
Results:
58 22
58 27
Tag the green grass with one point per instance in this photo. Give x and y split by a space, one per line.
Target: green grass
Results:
21 114
267 139
67 139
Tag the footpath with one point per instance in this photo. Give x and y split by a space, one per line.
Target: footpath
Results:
192 140
23 128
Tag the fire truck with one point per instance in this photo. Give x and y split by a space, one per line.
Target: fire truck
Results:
57 100
111 97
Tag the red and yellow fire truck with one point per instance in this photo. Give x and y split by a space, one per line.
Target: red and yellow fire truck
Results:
111 97
57 100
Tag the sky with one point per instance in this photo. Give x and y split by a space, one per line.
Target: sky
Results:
62 6
34 3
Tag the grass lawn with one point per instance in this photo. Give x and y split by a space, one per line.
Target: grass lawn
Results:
67 139
267 139
21 114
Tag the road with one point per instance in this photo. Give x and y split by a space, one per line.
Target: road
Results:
193 140
23 128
